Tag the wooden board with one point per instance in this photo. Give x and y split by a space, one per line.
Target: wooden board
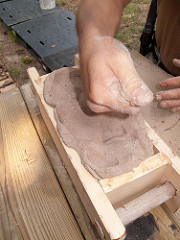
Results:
62 175
5 79
32 204
6 82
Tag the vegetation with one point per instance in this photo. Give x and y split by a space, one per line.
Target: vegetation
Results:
133 21
14 72
26 60
13 36
20 51
63 2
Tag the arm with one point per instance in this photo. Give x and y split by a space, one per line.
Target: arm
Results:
99 18
108 72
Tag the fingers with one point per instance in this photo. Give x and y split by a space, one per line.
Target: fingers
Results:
171 97
176 62
133 87
171 82
169 94
142 96
112 98
124 108
98 108
175 109
116 105
170 103
105 91
112 82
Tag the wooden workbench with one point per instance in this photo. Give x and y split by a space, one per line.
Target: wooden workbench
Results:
37 197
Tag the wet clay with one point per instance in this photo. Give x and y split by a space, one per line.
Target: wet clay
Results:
109 144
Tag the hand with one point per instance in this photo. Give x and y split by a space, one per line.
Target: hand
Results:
110 78
171 98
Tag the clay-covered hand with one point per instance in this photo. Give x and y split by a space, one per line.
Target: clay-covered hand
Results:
111 81
171 98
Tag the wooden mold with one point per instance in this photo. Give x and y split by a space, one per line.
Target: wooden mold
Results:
113 203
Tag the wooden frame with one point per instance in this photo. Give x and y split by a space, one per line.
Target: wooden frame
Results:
102 198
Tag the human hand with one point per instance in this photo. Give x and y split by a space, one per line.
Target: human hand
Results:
110 78
171 98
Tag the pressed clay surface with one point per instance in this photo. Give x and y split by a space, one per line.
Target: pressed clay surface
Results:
108 144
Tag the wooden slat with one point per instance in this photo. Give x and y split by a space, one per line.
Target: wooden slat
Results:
30 193
7 88
58 166
146 166
175 217
5 82
167 229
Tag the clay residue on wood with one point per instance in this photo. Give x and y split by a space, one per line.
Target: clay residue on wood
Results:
165 123
109 144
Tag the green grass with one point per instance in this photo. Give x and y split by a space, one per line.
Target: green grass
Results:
63 2
13 36
14 72
141 1
20 51
26 60
132 24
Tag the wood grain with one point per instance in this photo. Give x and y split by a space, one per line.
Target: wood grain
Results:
167 229
32 203
62 175
6 82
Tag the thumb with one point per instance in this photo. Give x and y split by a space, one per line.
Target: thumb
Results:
133 87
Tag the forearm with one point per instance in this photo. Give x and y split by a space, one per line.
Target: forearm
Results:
99 18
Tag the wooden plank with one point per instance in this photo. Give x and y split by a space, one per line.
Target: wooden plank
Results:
7 88
167 229
82 218
146 202
175 217
9 228
99 208
6 82
30 193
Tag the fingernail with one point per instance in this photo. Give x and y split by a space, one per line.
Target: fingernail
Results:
163 104
163 84
158 97
142 96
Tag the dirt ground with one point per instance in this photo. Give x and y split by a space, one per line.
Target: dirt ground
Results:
16 59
